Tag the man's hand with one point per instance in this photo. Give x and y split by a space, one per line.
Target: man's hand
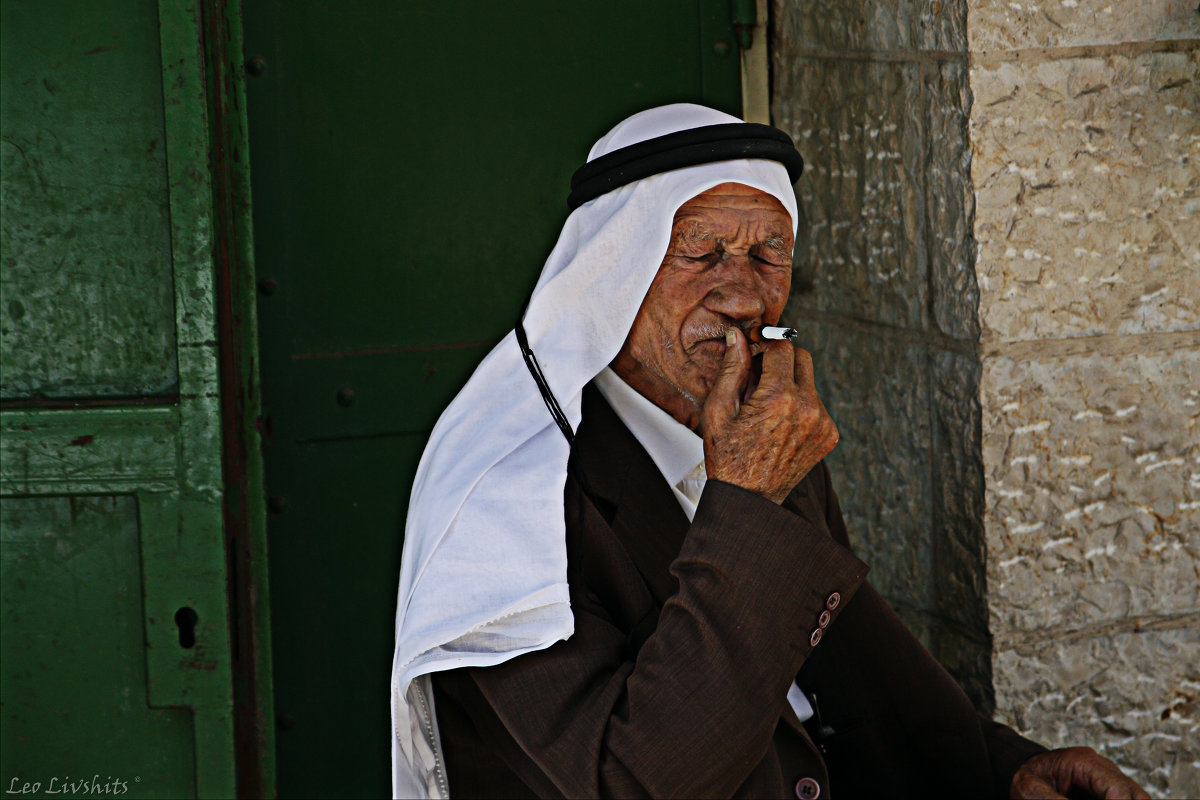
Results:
768 443
1073 772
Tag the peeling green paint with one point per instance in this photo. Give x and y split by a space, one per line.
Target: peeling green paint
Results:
85 247
109 291
92 451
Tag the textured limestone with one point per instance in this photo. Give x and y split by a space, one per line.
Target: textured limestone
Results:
891 25
1087 173
949 199
957 487
1086 222
880 467
860 244
957 571
1008 25
1093 488
1135 697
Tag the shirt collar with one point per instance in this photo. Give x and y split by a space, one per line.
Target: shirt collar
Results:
674 448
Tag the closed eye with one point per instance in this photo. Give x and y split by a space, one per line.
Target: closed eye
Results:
703 258
770 256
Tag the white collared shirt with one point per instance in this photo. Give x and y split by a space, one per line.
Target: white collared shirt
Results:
673 447
678 452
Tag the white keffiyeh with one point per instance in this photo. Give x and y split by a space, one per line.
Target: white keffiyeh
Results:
484 572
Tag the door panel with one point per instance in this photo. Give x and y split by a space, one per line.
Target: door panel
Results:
333 611
74 654
88 300
411 163
116 661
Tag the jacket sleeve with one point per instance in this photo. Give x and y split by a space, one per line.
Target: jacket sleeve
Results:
690 712
1008 751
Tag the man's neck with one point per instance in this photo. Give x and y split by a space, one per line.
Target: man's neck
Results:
660 391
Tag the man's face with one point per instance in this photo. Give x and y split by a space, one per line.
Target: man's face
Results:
729 263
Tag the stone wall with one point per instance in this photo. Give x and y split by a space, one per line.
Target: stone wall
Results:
1085 132
998 272
885 293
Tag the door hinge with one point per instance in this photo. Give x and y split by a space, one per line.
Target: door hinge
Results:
744 17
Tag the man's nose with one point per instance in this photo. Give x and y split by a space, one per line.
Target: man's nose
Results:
737 293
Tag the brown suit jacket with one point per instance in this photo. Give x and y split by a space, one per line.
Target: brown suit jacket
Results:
687 638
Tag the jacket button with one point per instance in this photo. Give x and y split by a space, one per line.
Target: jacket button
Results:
815 639
833 601
823 620
808 789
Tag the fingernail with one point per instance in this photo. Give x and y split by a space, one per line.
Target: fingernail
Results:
730 337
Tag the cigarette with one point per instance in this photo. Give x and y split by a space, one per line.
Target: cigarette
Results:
765 332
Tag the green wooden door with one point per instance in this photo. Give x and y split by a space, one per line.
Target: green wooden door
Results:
411 163
117 671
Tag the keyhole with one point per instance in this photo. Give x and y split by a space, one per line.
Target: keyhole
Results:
186 618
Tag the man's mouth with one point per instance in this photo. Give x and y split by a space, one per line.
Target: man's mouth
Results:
717 337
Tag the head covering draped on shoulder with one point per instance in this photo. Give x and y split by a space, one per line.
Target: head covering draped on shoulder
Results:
484 571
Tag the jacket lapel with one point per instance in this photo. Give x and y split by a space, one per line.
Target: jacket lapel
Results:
646 517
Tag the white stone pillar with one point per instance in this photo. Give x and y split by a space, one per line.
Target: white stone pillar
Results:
1085 135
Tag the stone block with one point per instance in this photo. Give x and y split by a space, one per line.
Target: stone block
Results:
949 200
877 391
1007 25
1087 210
887 26
1092 465
860 248
958 569
1135 697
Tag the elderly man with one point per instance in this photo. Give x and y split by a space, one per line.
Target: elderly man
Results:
625 569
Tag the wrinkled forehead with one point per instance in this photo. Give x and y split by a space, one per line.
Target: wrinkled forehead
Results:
734 195
735 204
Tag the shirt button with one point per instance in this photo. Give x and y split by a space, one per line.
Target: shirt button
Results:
833 601
823 620
808 789
815 639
